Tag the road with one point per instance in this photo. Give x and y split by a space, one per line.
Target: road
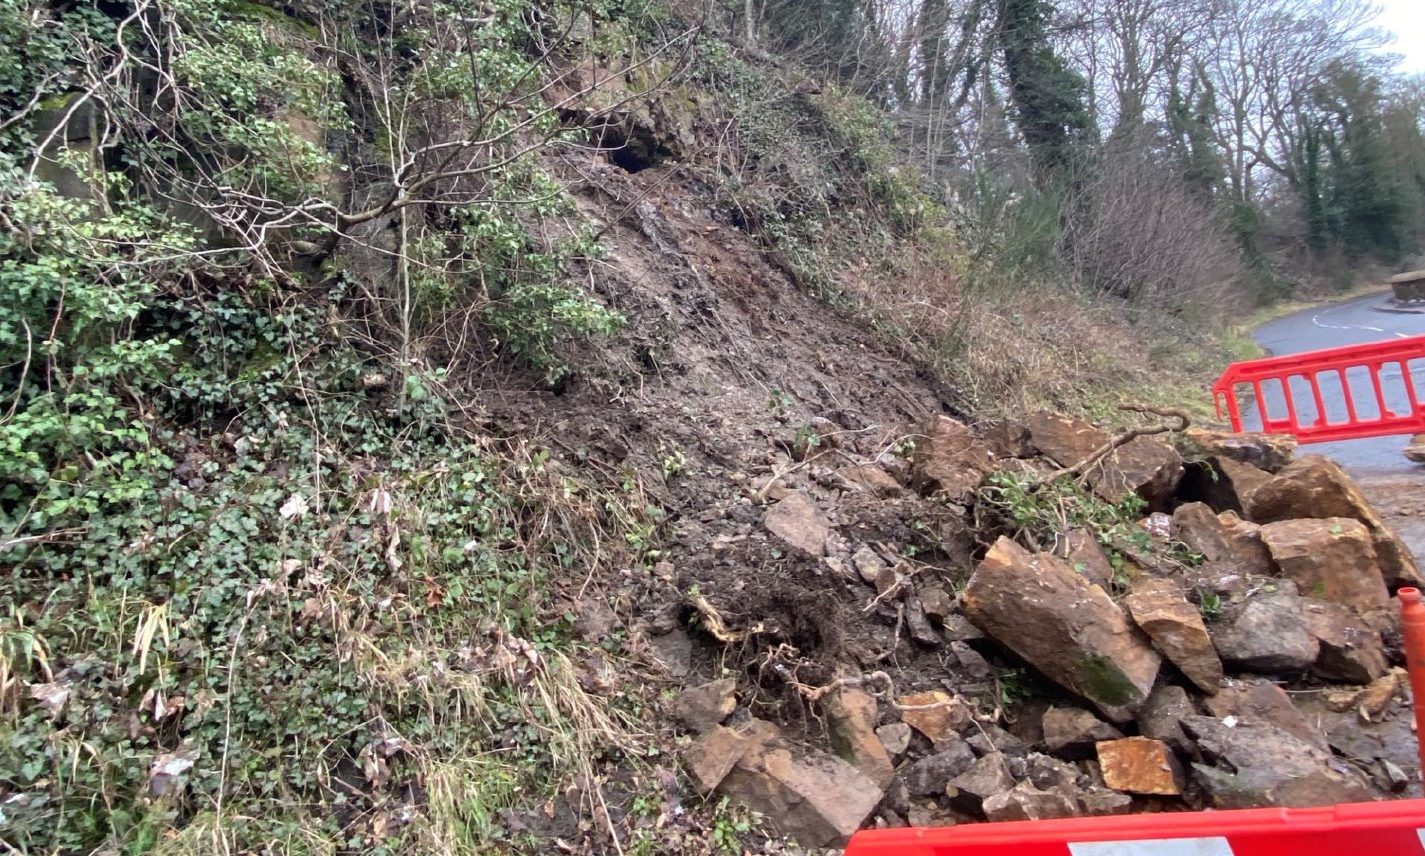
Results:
1351 323
1394 485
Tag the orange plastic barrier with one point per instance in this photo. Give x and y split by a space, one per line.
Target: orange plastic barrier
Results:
1373 829
1298 394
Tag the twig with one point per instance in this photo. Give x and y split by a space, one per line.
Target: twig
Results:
1097 456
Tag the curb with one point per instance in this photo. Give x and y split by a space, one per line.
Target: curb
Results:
1396 308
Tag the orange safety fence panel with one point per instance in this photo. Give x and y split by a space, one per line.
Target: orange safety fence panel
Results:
1395 828
1371 390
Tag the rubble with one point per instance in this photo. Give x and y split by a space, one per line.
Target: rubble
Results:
1067 627
931 774
987 777
1026 802
1351 651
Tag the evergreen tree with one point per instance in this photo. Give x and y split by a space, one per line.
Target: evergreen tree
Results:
1048 96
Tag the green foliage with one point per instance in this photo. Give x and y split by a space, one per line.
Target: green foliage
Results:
1048 96
1043 512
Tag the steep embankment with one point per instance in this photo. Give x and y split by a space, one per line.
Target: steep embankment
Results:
424 429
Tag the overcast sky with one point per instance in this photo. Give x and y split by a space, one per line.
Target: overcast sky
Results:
1406 18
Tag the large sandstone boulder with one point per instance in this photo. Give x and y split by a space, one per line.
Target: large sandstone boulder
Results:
1267 633
1175 625
1062 624
1145 466
811 796
1415 449
1316 486
1331 559
1225 484
949 459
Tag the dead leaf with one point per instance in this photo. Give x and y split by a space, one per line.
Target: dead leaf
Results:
295 506
51 696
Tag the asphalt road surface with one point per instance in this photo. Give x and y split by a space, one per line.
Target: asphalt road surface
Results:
1352 323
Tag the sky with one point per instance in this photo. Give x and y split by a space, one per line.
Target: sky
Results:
1405 18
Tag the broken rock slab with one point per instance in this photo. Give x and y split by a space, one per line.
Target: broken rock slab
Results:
1026 802
1259 701
1351 650
1331 559
1085 555
1269 452
1162 716
949 459
936 714
1415 450
1256 765
1267 632
1144 466
1175 625
1139 765
1220 537
984 779
811 796
797 521
702 707
930 775
1316 486
1062 624
1072 733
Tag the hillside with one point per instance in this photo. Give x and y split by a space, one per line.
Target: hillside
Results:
424 421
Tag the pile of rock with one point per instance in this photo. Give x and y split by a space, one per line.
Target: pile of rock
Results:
1169 671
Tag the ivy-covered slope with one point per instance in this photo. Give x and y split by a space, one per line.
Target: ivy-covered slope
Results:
300 549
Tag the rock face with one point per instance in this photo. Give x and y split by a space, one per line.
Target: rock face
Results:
1072 733
797 520
1139 765
1143 466
1065 626
1270 452
1351 651
1331 559
1252 765
949 459
1159 607
816 798
1267 633
1315 486
1230 483
851 723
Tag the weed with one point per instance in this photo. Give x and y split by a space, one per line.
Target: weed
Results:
1210 605
729 824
